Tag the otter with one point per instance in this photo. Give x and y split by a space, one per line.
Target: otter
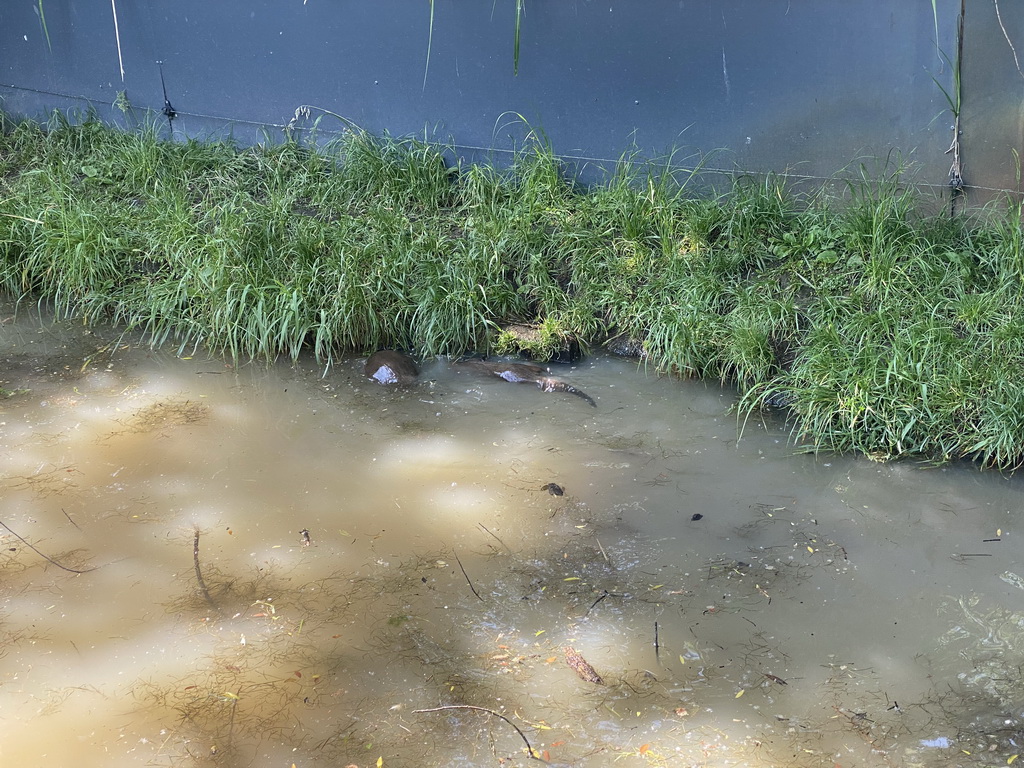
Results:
525 373
390 367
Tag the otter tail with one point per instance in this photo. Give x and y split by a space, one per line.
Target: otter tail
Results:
557 385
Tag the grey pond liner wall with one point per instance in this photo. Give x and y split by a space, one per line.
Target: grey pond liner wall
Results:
810 87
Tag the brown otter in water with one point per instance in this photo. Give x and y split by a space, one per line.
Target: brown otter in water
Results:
390 367
525 373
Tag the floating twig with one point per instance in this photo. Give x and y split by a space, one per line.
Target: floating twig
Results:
603 553
602 597
495 536
45 557
199 574
657 647
70 520
467 576
529 749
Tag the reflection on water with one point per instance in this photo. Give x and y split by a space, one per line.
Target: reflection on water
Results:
205 564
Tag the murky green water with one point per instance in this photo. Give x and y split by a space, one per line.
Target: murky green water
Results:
161 606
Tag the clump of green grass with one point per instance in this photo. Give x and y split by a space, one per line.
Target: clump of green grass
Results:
879 327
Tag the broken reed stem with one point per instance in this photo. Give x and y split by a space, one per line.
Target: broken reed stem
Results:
46 558
199 573
529 749
467 576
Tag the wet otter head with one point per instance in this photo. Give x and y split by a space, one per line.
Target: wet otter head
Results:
390 367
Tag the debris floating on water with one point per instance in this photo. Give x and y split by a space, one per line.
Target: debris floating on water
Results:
581 666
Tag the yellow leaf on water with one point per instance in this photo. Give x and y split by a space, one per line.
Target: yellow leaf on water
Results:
572 578
539 632
810 549
380 762
681 659
1010 759
741 692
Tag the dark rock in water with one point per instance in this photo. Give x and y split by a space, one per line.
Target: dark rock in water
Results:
778 399
554 489
625 346
390 367
525 373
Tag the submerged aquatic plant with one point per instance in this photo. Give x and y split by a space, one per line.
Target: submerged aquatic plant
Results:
878 326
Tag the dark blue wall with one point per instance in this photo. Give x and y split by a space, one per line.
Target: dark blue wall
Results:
806 86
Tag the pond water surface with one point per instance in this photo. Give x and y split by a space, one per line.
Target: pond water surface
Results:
273 565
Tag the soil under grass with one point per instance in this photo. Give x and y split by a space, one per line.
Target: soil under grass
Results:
879 327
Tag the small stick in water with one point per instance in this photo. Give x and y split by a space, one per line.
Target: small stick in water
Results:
657 647
47 559
70 520
495 536
467 576
529 749
199 573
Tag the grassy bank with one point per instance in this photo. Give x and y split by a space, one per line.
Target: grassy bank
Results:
884 330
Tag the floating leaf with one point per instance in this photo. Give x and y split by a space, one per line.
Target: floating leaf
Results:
644 748
572 578
539 632
740 693
380 762
810 549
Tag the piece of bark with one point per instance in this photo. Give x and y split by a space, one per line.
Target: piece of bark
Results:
582 666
